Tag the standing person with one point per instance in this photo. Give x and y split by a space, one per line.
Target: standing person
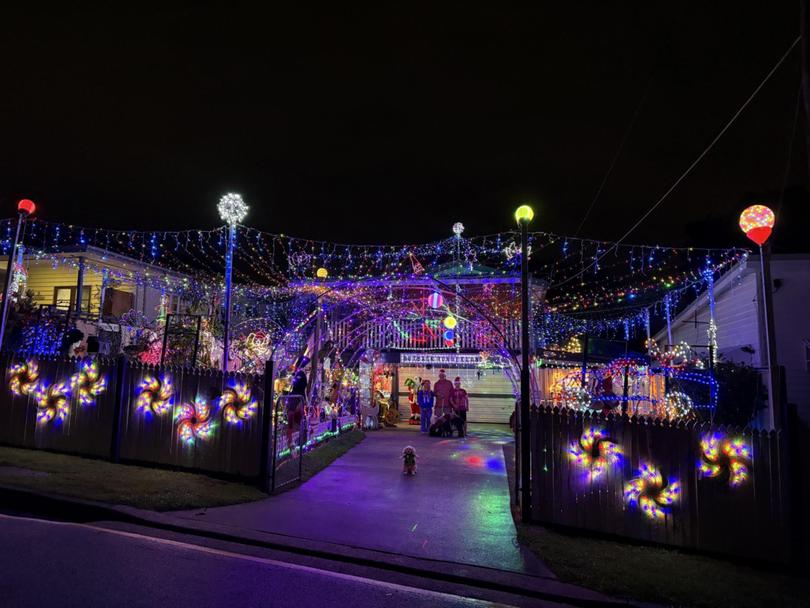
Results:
425 398
461 403
442 390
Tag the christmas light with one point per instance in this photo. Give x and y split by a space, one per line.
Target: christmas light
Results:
720 454
155 395
524 213
595 452
232 209
88 383
52 402
194 421
649 492
237 403
23 377
757 223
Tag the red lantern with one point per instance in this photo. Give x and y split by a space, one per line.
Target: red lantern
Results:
26 206
757 223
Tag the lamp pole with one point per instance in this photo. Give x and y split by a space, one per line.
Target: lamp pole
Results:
232 209
757 223
24 208
524 215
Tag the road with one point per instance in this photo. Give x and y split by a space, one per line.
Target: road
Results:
48 563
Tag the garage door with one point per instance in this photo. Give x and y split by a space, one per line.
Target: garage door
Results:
490 391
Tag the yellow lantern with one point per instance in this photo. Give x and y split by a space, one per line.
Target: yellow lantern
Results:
450 322
322 273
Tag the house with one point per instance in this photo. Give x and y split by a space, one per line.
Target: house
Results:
95 288
739 319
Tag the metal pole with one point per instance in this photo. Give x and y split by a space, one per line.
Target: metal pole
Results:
9 271
525 411
226 340
80 288
774 402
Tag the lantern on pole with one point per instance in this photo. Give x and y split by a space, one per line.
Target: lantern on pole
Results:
523 215
25 208
757 223
232 210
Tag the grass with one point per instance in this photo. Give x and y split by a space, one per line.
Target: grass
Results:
97 480
142 487
660 575
320 458
654 574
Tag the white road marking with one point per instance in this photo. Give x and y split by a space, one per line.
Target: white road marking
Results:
264 561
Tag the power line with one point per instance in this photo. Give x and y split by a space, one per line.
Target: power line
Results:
689 169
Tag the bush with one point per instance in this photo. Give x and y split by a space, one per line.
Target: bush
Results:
741 393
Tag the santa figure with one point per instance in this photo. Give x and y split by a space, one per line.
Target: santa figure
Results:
410 384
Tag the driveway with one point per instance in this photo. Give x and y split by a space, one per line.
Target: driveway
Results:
456 508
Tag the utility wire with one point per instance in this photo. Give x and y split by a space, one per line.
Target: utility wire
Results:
689 169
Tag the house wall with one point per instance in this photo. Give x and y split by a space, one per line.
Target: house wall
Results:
739 324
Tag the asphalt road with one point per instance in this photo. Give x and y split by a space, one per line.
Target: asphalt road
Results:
47 563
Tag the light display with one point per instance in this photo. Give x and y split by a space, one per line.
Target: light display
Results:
678 405
88 383
23 377
757 223
194 421
450 322
651 493
524 213
719 454
595 452
237 404
322 273
52 402
458 228
232 209
155 395
435 300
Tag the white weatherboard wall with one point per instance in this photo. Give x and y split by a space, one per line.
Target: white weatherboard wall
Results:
491 396
740 325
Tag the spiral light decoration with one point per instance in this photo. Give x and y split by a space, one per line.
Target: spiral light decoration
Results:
23 378
237 404
88 383
650 492
155 395
194 421
595 452
52 402
719 454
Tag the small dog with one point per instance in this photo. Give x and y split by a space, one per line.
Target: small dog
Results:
409 461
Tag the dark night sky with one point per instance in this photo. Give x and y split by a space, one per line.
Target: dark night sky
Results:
389 124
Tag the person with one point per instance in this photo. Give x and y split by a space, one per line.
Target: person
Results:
461 403
425 398
442 390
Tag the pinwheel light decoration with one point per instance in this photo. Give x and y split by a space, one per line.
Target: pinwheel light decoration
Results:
88 382
22 378
595 452
52 402
719 453
237 404
194 421
155 395
678 405
650 492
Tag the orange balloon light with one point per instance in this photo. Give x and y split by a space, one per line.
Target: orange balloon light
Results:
757 223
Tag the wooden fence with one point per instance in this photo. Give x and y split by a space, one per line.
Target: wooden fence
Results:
724 486
186 418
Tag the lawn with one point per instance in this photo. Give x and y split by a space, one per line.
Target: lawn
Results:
654 574
142 487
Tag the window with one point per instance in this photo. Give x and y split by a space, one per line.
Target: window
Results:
117 302
64 298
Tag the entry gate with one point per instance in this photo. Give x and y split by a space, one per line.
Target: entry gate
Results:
289 439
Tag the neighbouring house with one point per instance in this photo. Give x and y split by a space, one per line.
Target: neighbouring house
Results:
739 319
97 290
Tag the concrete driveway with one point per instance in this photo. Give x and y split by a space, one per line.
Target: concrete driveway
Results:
456 508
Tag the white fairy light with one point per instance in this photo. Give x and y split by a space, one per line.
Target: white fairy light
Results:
232 209
458 228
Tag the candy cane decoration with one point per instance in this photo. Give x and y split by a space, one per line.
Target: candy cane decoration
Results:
194 421
23 378
650 492
595 452
52 402
237 403
718 454
88 383
155 395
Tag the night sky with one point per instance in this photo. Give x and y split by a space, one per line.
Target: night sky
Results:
386 125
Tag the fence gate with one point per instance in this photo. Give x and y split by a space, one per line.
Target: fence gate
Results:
289 438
